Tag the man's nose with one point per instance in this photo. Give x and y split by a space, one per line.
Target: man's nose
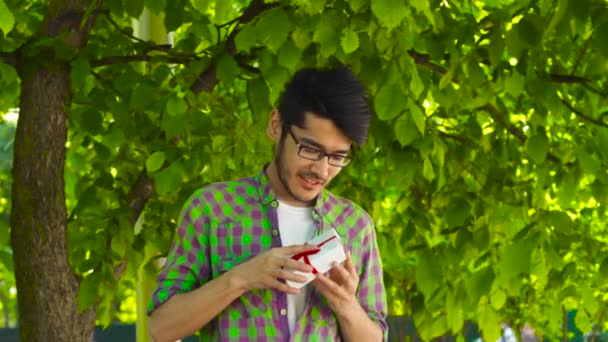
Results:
321 167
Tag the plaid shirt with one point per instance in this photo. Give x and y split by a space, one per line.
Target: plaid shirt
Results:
224 224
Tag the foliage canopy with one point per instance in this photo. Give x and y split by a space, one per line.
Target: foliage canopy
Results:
485 170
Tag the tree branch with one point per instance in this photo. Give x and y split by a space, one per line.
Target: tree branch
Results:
139 195
501 118
91 19
123 31
425 60
9 58
580 114
207 79
137 58
580 56
567 78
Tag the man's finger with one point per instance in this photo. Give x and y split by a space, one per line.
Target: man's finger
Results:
350 266
287 275
295 249
328 283
284 287
295 265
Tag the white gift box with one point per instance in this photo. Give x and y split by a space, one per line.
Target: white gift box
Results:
331 252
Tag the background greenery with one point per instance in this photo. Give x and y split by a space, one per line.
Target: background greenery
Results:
485 170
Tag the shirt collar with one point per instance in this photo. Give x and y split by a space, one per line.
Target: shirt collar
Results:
323 203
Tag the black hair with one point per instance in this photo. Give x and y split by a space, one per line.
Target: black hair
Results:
334 94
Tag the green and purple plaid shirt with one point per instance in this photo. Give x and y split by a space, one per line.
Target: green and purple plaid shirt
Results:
224 224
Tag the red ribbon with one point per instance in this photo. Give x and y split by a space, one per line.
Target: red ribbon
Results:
304 255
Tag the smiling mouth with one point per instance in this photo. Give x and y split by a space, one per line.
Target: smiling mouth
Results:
310 182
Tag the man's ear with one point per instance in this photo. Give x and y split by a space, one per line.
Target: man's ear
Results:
275 125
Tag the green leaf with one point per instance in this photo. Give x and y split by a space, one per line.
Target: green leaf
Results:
405 130
417 116
174 124
141 97
227 69
176 105
589 163
357 5
134 8
327 34
349 41
416 85
479 284
258 97
118 247
516 259
457 212
567 191
7 20
582 321
589 300
92 121
427 170
539 268
80 74
514 84
174 15
454 312
155 161
489 322
424 7
389 102
538 147
155 6
389 13
169 179
599 43
289 55
88 290
428 274
6 259
274 27
246 38
498 298
202 6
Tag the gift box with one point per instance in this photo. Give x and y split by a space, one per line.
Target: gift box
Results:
330 252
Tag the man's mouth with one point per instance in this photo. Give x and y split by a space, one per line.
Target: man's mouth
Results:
310 182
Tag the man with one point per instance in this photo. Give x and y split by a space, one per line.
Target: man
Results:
227 267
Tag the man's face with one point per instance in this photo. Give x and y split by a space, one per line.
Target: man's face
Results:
303 179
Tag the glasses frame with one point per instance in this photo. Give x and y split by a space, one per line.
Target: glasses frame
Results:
322 154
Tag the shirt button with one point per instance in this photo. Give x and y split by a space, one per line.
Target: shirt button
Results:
283 312
275 232
274 204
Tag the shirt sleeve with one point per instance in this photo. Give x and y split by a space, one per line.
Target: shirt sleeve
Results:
187 265
371 292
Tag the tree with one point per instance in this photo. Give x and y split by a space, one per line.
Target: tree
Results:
485 170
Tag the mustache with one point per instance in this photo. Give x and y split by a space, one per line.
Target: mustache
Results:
312 176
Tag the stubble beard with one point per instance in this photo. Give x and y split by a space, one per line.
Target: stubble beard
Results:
283 174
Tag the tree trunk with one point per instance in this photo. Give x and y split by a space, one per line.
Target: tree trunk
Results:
47 287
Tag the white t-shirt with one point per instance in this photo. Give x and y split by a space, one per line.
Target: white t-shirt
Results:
296 227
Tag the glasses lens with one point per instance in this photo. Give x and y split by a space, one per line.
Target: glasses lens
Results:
310 153
338 160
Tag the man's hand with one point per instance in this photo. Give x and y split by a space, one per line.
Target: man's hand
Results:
340 287
267 269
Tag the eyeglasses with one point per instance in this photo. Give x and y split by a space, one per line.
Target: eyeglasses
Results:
312 153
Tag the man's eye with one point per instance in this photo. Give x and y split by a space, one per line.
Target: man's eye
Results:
309 150
338 157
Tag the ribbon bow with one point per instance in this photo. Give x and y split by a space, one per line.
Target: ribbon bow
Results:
304 255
